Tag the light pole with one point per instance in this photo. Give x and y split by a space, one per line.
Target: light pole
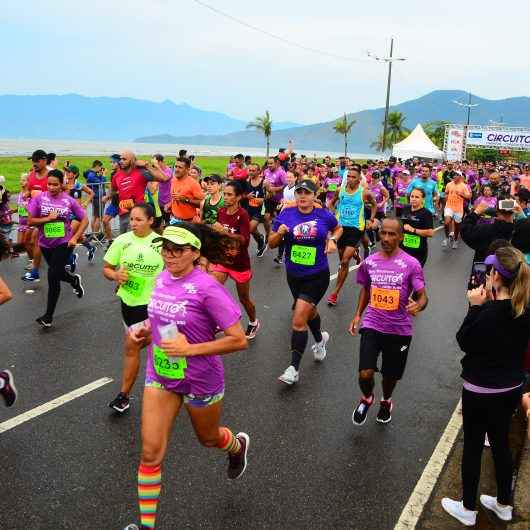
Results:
469 106
390 59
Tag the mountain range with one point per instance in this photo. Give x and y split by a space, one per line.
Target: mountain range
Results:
75 117
437 105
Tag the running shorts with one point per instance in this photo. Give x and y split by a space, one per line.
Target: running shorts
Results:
191 400
394 350
311 288
350 237
111 210
453 215
271 206
133 314
237 276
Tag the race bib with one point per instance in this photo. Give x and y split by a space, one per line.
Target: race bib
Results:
126 204
172 368
22 211
411 241
404 200
384 299
54 230
332 187
135 285
302 255
254 202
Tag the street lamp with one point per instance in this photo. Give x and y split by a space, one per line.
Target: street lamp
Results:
469 106
390 59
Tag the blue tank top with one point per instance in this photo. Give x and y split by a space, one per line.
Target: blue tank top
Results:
351 209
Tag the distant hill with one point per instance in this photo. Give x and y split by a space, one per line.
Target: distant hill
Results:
437 105
74 117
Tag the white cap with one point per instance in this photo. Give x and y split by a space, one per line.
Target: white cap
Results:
2 179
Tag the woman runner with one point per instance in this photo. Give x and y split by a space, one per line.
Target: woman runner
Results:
52 212
184 365
133 261
305 230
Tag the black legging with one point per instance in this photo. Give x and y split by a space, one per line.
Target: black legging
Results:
491 414
56 258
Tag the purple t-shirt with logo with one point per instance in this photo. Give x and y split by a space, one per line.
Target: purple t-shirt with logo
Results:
390 282
199 305
276 178
306 239
59 231
164 188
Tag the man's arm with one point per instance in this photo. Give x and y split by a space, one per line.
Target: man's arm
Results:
362 303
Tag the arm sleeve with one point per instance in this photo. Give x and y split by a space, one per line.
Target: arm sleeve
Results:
363 278
221 307
429 222
277 222
416 278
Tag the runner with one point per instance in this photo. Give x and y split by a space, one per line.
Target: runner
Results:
187 308
52 212
401 199
186 193
95 180
275 181
430 188
256 208
111 210
233 221
388 279
164 188
213 201
487 197
381 196
418 226
350 214
24 232
133 262
455 193
288 199
305 229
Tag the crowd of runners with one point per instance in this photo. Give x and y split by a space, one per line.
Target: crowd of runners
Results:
183 235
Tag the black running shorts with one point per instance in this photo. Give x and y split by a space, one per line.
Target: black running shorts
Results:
394 350
309 288
350 237
133 314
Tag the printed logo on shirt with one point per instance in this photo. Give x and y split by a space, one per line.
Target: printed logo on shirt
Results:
163 308
190 288
305 230
400 263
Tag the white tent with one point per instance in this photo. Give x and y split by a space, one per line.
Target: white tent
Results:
417 144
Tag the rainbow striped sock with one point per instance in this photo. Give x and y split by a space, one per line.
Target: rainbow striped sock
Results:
149 481
228 442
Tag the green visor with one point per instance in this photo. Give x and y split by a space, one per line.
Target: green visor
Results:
179 236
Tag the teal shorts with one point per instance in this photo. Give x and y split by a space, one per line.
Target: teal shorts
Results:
192 400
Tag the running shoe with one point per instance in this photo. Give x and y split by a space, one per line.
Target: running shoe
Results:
444 242
361 411
120 403
261 250
385 408
319 348
45 321
8 391
32 276
290 376
455 245
71 266
77 286
332 299
457 510
252 330
504 513
278 260
238 463
90 253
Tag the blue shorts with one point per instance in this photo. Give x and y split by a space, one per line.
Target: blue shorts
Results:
192 400
111 210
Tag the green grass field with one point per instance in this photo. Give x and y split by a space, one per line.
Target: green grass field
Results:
12 167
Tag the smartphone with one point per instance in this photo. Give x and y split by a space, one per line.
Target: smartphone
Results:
507 204
478 274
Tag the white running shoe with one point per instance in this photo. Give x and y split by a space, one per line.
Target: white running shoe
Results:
319 348
503 512
444 243
290 376
457 510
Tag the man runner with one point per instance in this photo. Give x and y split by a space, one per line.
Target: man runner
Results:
388 280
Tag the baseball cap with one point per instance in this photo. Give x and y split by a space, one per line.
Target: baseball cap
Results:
214 178
183 234
306 184
37 155
72 169
115 157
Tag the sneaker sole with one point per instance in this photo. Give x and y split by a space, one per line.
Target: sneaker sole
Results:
247 440
290 383
490 508
120 410
12 385
384 421
357 424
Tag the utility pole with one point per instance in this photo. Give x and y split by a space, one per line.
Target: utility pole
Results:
390 59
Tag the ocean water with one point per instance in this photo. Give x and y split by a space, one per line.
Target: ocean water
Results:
14 147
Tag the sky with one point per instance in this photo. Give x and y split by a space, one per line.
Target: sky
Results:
182 51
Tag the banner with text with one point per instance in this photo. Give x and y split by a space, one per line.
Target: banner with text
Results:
455 143
498 138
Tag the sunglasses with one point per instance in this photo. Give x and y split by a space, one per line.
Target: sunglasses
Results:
173 249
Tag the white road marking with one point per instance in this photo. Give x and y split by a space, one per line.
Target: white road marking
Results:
414 508
334 276
53 404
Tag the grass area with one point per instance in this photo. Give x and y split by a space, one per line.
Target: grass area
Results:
12 167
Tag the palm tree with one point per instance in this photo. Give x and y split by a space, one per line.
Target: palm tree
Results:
343 126
435 130
263 124
395 131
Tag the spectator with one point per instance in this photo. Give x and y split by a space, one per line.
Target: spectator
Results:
95 179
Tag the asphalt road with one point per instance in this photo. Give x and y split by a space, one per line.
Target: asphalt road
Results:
309 466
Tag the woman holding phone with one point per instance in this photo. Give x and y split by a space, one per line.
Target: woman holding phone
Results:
186 309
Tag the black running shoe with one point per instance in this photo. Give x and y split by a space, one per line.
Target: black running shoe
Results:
45 321
252 330
361 411
278 260
8 391
91 252
238 463
77 286
120 403
262 248
385 409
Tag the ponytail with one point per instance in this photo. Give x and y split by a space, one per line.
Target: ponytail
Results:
513 261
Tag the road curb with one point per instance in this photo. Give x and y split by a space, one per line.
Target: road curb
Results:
521 502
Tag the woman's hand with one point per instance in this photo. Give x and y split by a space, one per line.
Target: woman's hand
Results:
178 347
477 296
